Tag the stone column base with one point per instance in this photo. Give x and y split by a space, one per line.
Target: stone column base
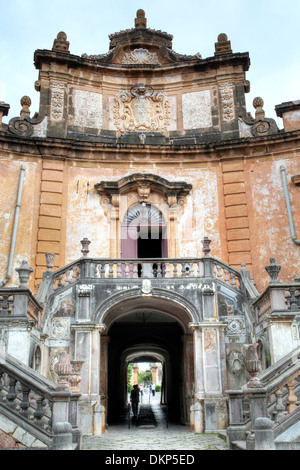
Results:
91 416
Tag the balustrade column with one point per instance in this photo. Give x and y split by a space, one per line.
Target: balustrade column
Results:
11 395
24 405
292 398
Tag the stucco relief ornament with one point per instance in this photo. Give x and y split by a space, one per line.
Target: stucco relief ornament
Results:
57 100
146 286
236 362
60 328
141 108
140 56
227 101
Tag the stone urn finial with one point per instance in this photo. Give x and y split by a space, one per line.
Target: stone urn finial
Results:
258 104
223 45
50 260
85 242
206 248
63 369
25 103
252 365
273 271
24 272
60 43
140 20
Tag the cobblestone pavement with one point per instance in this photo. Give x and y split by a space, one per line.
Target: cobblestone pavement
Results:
155 435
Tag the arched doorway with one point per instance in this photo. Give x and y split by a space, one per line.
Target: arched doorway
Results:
155 326
158 333
144 234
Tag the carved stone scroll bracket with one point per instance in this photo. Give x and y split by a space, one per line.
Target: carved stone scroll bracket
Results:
23 126
260 126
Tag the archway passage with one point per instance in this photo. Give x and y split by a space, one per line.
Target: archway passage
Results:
152 335
146 376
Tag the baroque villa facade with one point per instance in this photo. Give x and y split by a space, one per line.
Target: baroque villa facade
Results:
155 218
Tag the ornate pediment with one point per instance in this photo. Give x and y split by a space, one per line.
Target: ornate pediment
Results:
141 46
174 192
141 108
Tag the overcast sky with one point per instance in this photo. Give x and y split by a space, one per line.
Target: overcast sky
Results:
267 29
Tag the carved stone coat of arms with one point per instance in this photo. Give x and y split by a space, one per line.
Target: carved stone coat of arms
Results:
141 108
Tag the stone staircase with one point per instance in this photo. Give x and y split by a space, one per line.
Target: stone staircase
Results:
275 395
34 412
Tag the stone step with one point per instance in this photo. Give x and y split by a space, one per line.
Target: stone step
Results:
239 445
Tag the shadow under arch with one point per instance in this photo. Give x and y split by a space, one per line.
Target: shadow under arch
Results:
161 300
135 323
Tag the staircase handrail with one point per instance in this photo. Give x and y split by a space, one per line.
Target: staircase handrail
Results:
275 375
36 381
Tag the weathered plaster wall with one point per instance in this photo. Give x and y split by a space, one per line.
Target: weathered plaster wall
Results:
268 218
9 183
78 212
86 217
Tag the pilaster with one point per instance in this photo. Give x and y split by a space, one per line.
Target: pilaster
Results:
209 352
236 215
50 222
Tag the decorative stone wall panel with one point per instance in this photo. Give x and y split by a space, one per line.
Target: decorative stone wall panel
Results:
57 100
141 108
60 329
88 109
196 110
227 102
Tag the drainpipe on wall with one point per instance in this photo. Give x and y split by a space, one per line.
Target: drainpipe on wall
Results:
14 233
288 206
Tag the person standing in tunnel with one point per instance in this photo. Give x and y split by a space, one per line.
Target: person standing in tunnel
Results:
135 398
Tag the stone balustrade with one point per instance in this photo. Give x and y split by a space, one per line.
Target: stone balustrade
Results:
32 404
278 297
133 268
292 296
274 395
6 303
19 302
